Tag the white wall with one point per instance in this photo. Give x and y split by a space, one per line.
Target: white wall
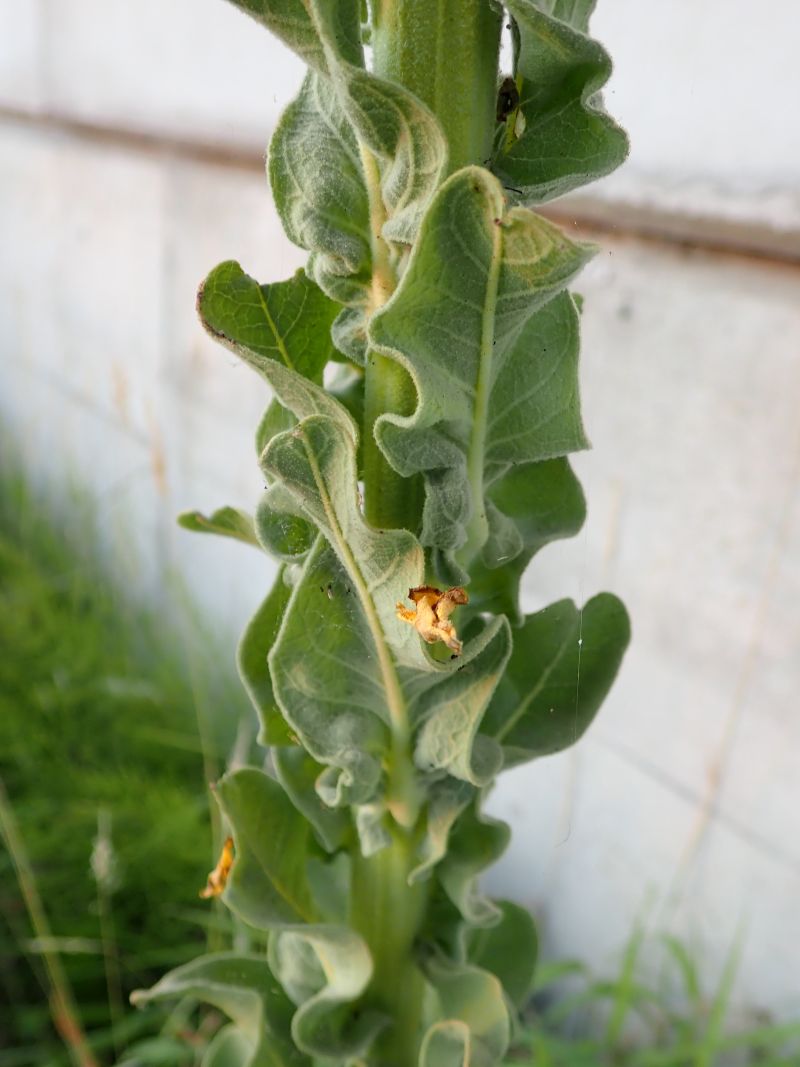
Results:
687 787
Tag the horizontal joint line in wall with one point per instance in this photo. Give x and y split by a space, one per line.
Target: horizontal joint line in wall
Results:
710 233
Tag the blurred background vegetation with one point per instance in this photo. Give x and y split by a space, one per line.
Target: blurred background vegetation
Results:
110 728
113 719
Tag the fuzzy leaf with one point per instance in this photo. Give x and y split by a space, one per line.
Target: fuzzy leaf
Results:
252 654
475 1029
568 139
317 181
407 141
325 969
268 885
451 712
229 522
229 1047
329 682
529 506
281 330
298 773
494 368
476 842
508 950
298 24
561 669
576 13
447 800
316 463
244 988
280 528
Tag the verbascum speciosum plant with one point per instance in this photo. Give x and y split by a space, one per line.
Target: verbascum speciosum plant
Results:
423 372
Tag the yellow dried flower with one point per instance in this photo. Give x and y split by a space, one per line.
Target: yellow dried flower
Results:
218 878
431 614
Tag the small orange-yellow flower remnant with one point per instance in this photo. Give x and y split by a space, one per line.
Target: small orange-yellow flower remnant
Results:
218 878
431 614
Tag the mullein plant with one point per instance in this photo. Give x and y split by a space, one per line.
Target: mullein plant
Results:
423 371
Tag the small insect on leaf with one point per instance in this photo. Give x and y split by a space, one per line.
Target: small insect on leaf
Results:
218 878
507 99
431 614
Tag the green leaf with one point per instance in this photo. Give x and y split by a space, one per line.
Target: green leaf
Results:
329 682
229 522
243 987
316 463
529 506
312 36
568 140
281 330
275 420
494 368
407 141
508 950
576 13
280 527
475 1027
252 654
447 799
562 666
229 1047
451 712
325 969
268 885
476 842
298 773
318 184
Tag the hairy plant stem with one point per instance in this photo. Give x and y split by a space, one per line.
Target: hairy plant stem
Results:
388 913
446 52
413 42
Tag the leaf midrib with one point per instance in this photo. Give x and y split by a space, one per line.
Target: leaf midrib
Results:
524 704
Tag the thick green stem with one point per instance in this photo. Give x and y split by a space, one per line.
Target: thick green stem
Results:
388 913
446 52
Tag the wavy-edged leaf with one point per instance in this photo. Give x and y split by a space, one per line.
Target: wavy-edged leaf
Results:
492 349
528 506
475 1027
329 681
297 24
276 419
576 13
568 139
315 171
254 646
451 712
325 969
316 462
508 950
369 672
227 522
406 139
229 1047
268 885
562 666
280 528
446 801
281 330
244 988
475 843
298 773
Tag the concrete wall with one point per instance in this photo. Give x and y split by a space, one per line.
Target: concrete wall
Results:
130 145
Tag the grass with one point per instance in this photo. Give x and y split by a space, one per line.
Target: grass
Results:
105 775
635 1020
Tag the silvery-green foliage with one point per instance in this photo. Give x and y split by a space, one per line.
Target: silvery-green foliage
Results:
358 852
